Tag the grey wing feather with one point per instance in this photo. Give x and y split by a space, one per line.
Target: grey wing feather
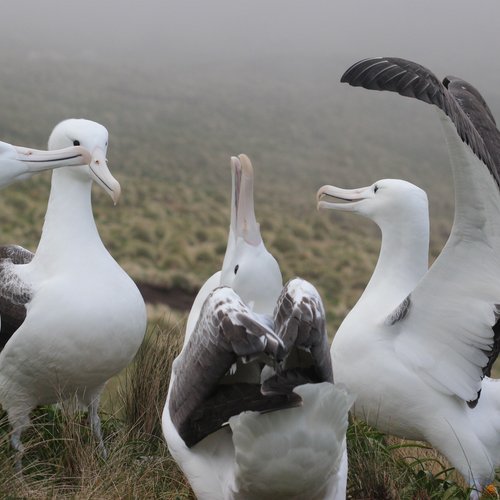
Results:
467 109
226 330
299 320
413 80
14 293
476 108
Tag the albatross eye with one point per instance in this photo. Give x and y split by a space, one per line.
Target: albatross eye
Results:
236 268
76 143
375 189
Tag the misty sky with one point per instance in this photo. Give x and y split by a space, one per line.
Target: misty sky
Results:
159 39
458 36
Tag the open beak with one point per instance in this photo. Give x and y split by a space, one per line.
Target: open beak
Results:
243 222
37 160
351 197
100 173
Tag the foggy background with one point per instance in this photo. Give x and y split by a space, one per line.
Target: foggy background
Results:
450 35
257 51
212 42
183 85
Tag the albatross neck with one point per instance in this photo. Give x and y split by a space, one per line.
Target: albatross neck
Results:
69 232
402 262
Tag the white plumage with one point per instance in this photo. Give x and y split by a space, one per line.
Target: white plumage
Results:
84 317
418 343
293 453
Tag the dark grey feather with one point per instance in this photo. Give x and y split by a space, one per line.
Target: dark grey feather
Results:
14 294
299 321
400 312
226 330
478 112
203 397
467 111
492 353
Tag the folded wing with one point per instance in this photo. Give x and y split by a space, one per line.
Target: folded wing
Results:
227 331
14 293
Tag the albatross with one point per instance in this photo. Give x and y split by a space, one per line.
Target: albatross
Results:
418 347
256 357
71 317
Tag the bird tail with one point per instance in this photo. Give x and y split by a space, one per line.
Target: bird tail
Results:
300 451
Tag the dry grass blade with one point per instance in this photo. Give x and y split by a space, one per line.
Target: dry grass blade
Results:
146 385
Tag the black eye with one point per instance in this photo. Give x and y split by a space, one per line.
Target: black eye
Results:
236 268
375 189
76 143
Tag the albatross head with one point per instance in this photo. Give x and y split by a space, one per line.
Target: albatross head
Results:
94 138
248 268
385 201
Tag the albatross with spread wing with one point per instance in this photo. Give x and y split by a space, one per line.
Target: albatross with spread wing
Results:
418 347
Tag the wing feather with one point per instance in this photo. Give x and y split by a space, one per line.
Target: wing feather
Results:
413 80
226 330
299 321
14 293
446 334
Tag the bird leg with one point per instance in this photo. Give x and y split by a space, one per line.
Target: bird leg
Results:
95 425
19 423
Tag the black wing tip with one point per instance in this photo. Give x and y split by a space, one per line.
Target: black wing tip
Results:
447 80
389 73
347 77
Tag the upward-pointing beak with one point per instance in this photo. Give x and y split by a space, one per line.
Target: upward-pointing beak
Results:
100 173
243 221
36 160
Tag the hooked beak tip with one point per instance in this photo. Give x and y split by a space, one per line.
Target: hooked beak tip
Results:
116 193
321 205
320 193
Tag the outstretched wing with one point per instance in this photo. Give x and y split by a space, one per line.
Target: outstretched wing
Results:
478 112
299 321
14 293
446 334
413 80
227 330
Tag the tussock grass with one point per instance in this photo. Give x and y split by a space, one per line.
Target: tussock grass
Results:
384 467
62 460
146 385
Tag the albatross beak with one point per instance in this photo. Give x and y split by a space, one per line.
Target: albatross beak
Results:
350 195
100 173
37 160
243 220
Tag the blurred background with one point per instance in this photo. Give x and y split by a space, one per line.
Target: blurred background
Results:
183 85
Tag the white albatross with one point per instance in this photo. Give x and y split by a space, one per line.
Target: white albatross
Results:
255 346
71 317
419 344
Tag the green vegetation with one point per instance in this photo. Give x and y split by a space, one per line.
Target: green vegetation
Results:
62 460
172 131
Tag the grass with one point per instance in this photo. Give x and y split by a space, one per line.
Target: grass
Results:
62 460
